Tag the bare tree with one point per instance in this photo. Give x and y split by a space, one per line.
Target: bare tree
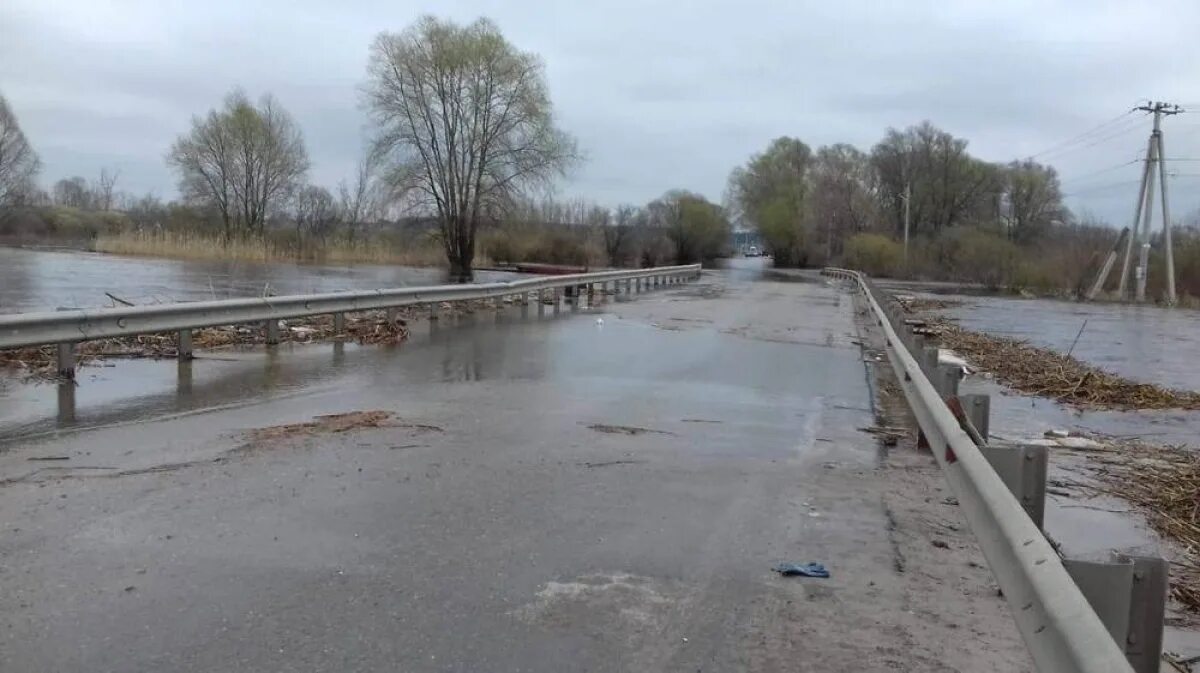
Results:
73 193
19 164
618 234
316 213
358 200
463 122
244 161
103 190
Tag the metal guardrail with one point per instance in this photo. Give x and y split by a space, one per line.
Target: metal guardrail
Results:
1059 626
67 327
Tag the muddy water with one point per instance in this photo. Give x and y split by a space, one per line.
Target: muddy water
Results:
1144 343
36 280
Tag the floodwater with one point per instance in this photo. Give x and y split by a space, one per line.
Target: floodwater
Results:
1143 343
43 280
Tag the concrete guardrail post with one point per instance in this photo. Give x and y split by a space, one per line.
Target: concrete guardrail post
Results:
947 379
272 336
66 360
434 309
392 315
1129 594
978 408
918 343
1022 468
929 362
184 351
339 323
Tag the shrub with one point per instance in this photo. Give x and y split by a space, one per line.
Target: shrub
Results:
874 254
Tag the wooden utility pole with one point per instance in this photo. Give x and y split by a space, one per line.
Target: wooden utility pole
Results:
1155 161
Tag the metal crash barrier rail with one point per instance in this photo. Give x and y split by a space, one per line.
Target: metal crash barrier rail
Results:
1073 615
71 326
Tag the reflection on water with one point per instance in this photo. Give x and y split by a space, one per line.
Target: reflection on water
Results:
36 280
468 346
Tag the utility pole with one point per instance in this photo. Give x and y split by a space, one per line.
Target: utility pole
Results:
1155 160
907 198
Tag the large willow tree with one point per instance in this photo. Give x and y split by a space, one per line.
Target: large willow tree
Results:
463 122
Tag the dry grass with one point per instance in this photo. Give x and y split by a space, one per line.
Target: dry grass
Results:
1163 482
1046 373
188 245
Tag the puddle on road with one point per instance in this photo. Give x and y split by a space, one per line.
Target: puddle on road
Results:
718 373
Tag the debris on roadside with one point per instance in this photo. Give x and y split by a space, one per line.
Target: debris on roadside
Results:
328 424
801 570
625 430
364 327
913 304
1043 372
1163 483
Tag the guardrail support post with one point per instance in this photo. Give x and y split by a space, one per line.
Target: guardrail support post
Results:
184 351
947 379
978 408
434 308
66 360
1129 594
918 343
339 323
272 337
1022 468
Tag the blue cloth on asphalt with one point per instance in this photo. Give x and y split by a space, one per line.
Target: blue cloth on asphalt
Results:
804 569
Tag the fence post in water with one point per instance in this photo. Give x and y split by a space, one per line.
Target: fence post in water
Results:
66 360
272 336
339 323
978 408
184 351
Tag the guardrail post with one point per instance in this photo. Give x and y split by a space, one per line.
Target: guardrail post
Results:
1022 468
434 308
392 313
978 408
918 343
1129 594
339 323
929 362
949 375
272 336
1148 604
66 360
591 294
184 351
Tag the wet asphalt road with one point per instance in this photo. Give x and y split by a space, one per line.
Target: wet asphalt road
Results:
505 523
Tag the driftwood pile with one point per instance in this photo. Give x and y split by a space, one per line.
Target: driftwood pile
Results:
367 327
1163 482
1046 373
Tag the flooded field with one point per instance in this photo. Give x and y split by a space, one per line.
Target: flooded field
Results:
39 280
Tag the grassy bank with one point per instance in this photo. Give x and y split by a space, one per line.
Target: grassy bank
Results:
271 248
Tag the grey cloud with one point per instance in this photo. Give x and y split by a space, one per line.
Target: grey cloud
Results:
660 94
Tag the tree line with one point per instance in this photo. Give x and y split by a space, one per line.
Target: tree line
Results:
462 131
807 205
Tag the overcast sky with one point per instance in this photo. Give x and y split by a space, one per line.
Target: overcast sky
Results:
660 95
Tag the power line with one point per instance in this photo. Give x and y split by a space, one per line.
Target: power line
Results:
1101 171
1070 141
1098 188
1058 154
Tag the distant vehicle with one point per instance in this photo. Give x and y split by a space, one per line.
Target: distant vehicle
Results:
752 251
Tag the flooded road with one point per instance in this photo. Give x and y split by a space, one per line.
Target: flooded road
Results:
43 280
605 489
